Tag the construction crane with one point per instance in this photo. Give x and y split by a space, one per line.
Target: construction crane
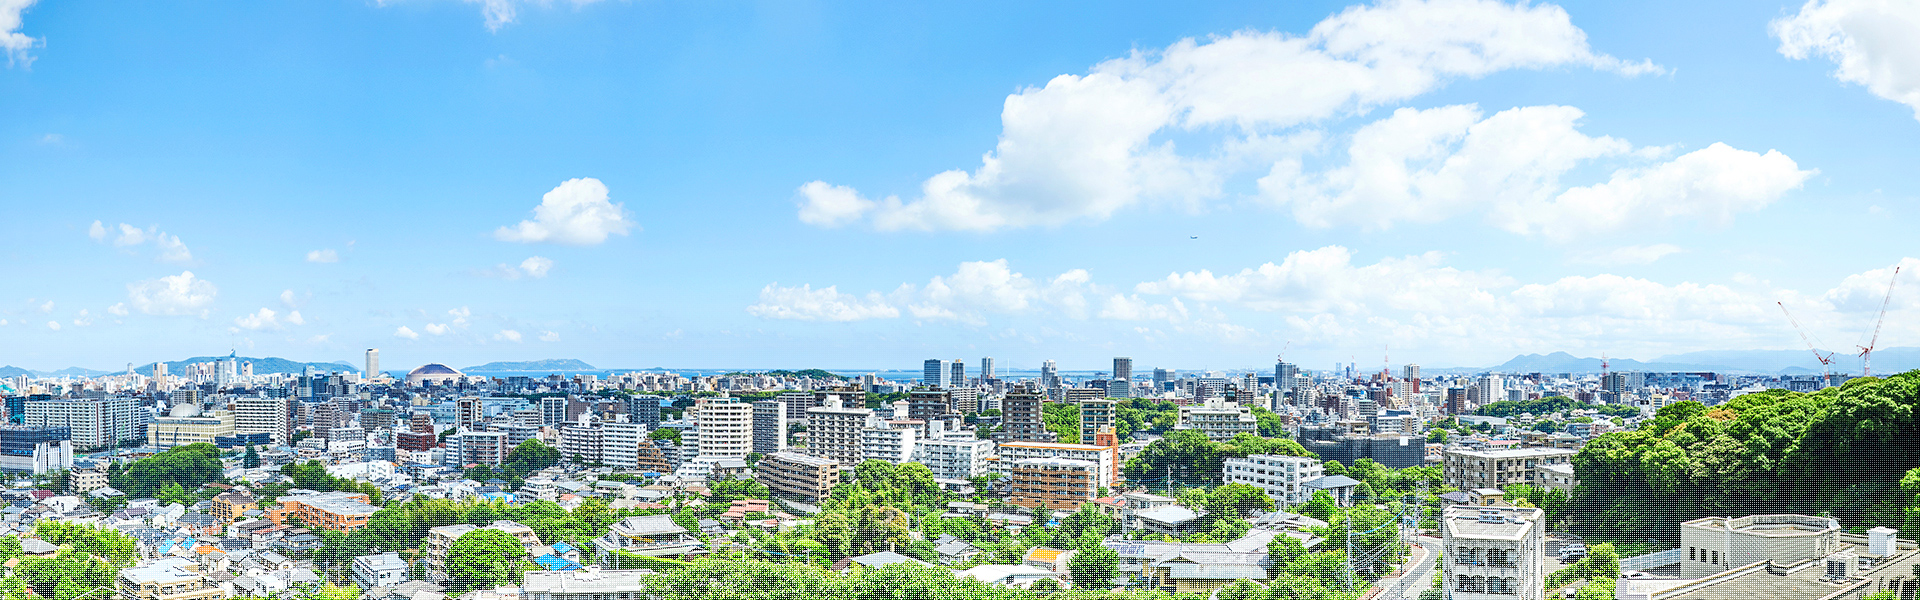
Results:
1866 352
1826 360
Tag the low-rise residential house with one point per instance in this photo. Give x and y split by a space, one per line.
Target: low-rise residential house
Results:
167 579
651 535
1172 519
1340 487
1014 576
374 570
1052 559
953 550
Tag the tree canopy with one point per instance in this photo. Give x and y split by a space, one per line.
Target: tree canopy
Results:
188 467
485 558
1189 458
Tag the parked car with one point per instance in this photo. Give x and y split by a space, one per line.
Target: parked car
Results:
1573 552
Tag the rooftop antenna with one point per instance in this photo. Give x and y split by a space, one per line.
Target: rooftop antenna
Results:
1866 352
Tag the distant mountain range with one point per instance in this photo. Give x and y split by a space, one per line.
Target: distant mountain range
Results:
261 366
1784 362
13 371
550 365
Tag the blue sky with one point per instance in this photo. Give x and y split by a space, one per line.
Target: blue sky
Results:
641 184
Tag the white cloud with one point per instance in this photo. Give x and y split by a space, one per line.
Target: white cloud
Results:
549 336
47 307
404 332
438 329
181 294
171 249
16 44
1875 43
536 266
323 255
829 205
319 339
507 335
289 299
1865 292
1709 185
576 212
1628 255
82 319
1083 146
974 291
264 318
460 315
293 317
54 325
501 13
119 309
825 304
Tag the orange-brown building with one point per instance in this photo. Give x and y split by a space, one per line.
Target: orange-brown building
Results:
337 511
229 506
1054 483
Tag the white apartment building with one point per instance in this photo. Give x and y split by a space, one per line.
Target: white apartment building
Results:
1715 544
724 429
620 444
260 414
888 442
91 423
1218 419
769 426
1106 458
1493 553
834 432
954 458
1279 476
1472 469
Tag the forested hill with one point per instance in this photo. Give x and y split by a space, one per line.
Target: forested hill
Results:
1852 451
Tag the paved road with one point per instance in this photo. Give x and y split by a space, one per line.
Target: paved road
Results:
1420 576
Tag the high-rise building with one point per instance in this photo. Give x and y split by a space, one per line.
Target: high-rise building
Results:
935 373
724 428
553 410
1121 386
1020 416
1286 378
1095 415
373 363
986 368
1411 375
259 414
644 410
93 422
1049 374
769 426
833 432
957 374
467 412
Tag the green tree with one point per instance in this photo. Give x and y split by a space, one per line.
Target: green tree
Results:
665 433
530 456
187 466
1236 500
252 458
1063 419
485 558
1094 568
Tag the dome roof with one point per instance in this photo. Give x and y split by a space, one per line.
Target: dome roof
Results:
433 369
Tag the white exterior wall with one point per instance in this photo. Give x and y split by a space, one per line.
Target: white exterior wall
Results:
1279 476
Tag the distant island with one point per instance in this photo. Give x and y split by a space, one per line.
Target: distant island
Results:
549 365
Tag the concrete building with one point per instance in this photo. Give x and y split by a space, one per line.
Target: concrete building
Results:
834 432
798 476
1493 553
1095 415
170 578
261 414
376 570
1281 477
936 373
1121 386
954 458
92 422
1054 483
189 427
888 442
337 511
769 426
1020 416
1107 458
83 480
1472 469
797 404
1715 544
1218 419
724 429
471 447
36 450
1557 476
585 584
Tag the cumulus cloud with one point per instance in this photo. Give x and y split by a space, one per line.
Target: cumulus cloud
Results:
404 332
1710 185
460 315
507 335
1083 147
265 318
576 212
182 294
1874 43
170 248
534 266
119 309
549 336
16 44
46 307
968 295
323 255
82 319
54 325
438 329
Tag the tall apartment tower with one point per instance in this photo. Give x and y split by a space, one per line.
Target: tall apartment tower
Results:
373 363
769 426
935 373
1020 416
1411 375
957 377
1049 374
259 414
986 368
1121 386
724 429
1286 377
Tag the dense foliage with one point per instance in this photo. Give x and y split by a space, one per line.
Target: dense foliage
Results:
485 558
1187 457
1143 414
713 579
1844 451
312 475
1063 419
187 467
529 456
1551 404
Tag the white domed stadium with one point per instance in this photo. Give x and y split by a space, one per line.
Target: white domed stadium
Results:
436 373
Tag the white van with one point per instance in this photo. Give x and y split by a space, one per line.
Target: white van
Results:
1573 552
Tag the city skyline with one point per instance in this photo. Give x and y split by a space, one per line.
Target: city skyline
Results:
638 185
